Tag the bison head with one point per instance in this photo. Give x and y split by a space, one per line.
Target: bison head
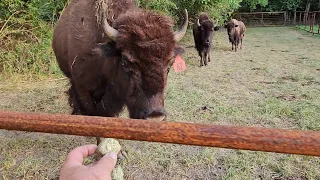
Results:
147 47
206 30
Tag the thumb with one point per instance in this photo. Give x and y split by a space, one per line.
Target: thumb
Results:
107 162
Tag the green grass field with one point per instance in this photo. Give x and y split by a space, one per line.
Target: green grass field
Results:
273 82
307 28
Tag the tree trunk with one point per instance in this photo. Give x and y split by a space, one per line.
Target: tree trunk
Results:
306 11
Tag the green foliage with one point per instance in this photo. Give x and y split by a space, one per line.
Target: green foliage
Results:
252 4
285 5
219 10
32 9
164 6
25 33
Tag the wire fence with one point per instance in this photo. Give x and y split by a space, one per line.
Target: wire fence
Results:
262 18
307 21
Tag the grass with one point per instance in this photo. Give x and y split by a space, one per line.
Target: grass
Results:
307 28
273 82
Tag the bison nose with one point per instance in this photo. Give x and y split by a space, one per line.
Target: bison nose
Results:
207 42
154 114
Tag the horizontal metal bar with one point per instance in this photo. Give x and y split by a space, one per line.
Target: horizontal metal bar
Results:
278 12
234 137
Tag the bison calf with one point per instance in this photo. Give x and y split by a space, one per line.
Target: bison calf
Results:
203 35
236 31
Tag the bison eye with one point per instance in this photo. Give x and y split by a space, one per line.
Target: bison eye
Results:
125 65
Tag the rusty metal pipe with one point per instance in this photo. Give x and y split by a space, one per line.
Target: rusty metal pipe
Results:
234 137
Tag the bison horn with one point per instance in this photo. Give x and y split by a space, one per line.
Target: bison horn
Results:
178 35
108 30
199 22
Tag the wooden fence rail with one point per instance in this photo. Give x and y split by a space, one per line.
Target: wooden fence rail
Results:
234 137
308 21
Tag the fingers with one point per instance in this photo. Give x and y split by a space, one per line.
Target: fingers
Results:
107 162
75 157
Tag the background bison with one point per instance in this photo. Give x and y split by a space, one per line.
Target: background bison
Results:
236 31
124 63
203 35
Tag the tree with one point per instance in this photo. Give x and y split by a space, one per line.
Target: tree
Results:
252 4
285 5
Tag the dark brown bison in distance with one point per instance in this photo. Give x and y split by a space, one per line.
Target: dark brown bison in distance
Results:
116 54
203 35
236 30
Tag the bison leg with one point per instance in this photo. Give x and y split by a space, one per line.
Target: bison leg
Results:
74 102
232 47
110 105
86 100
206 59
201 60
209 54
241 42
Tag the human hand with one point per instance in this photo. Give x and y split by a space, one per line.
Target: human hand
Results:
73 169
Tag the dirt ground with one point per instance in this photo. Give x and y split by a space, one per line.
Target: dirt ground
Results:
274 81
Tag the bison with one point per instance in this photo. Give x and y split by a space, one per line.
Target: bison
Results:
115 55
203 35
235 31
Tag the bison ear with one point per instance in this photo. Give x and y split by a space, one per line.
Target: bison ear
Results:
216 28
178 50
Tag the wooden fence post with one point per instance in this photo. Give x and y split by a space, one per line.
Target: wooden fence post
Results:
285 18
294 18
300 19
319 24
313 22
305 20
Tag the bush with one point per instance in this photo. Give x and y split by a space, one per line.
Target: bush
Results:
219 10
26 33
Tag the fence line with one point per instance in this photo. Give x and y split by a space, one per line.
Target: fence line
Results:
308 21
233 137
262 18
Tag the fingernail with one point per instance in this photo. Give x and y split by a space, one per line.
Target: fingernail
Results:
113 155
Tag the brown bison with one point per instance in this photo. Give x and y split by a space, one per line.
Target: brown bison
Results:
236 31
203 35
116 54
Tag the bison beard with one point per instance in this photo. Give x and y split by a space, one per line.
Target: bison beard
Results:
109 67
